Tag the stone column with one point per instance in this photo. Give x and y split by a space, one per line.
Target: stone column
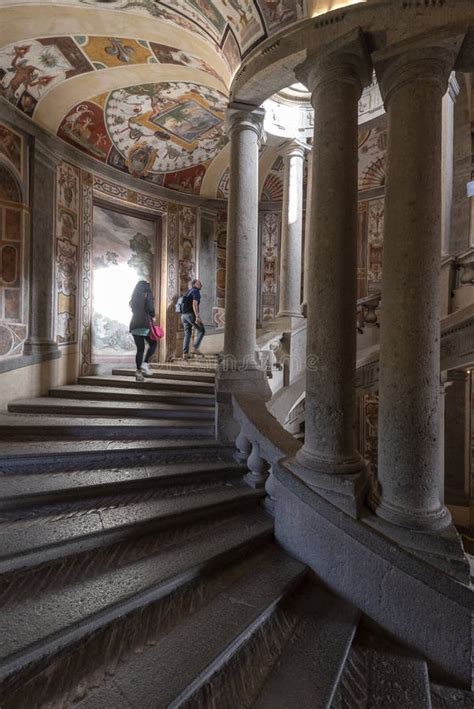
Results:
413 82
291 231
336 80
447 163
245 128
307 237
238 370
42 255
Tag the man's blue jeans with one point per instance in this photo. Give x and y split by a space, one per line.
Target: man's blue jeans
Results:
189 321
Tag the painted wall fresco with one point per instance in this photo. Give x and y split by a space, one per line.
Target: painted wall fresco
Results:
187 246
272 190
218 312
166 133
14 229
372 157
11 148
124 250
270 227
67 252
224 184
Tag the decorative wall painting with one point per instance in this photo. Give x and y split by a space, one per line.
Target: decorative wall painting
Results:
124 251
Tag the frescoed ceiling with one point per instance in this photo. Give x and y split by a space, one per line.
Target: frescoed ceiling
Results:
140 85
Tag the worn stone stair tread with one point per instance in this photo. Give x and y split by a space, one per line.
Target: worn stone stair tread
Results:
34 488
150 384
135 409
380 674
48 428
44 624
60 455
444 697
187 657
178 374
32 541
97 392
311 663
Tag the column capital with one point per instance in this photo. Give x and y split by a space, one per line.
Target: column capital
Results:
430 61
243 116
293 150
346 59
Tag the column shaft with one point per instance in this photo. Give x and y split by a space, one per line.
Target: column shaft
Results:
291 232
242 237
409 446
307 235
42 257
336 83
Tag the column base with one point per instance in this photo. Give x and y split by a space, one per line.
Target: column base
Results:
35 346
412 519
343 484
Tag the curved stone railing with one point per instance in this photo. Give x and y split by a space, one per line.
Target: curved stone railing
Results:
457 351
261 443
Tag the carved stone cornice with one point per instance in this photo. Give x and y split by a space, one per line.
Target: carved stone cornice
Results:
347 59
430 61
241 116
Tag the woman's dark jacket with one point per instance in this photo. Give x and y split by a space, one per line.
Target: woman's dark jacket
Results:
143 309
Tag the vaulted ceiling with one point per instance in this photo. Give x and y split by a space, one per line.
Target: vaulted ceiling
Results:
140 85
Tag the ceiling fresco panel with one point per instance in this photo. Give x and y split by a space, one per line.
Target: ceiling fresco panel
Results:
28 70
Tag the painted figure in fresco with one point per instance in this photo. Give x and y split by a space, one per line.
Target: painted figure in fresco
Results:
278 11
142 304
191 318
24 74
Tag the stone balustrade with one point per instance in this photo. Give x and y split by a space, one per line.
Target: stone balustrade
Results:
464 280
367 312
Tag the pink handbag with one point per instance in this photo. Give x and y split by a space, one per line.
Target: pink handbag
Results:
156 332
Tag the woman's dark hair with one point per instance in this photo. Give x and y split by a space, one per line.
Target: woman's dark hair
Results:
139 292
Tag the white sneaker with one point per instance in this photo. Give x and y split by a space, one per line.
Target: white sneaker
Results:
139 376
146 369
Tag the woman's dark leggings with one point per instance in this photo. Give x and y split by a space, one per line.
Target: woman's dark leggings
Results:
140 343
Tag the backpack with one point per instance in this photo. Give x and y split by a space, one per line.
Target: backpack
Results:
183 305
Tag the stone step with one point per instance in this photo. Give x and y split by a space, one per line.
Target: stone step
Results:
244 625
443 697
150 384
42 427
18 491
195 364
177 374
108 393
381 674
59 456
68 528
308 670
118 409
95 619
